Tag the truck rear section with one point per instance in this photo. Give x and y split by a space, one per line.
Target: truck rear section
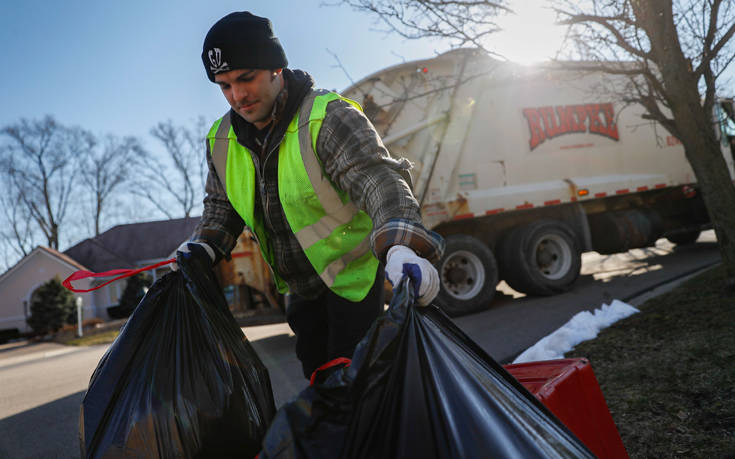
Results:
522 169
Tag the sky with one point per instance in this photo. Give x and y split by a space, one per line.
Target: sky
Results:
122 67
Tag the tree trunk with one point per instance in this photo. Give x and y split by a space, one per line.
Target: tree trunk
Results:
703 153
695 125
97 216
53 237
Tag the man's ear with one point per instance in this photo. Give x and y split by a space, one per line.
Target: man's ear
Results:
275 73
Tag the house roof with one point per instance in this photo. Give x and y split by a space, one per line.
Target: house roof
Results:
129 246
49 251
65 258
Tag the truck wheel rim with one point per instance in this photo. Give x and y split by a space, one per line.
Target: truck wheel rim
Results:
462 275
552 256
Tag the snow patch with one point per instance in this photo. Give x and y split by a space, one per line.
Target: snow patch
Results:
582 327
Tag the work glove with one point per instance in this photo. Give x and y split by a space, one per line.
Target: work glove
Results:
402 261
199 250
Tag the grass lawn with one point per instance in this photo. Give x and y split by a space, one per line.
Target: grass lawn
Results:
99 338
668 373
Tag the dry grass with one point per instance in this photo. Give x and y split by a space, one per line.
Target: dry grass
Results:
98 338
668 373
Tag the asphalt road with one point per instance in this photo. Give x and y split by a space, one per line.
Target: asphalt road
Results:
41 386
39 403
514 323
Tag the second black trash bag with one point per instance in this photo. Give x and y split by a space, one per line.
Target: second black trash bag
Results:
417 387
181 379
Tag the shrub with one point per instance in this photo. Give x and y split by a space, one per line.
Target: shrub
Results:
52 305
134 291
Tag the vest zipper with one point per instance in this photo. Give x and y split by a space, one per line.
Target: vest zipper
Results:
261 179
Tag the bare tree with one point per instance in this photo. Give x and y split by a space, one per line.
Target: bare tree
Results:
40 161
17 233
463 22
672 54
177 176
106 169
340 66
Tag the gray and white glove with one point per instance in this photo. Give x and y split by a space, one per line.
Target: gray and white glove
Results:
402 261
194 249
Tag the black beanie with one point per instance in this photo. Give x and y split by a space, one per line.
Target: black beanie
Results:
241 41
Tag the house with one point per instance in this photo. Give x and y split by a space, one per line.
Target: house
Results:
246 279
129 246
18 283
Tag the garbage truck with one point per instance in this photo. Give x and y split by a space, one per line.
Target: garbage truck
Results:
522 169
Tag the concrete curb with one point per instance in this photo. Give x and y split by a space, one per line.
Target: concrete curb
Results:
642 296
639 298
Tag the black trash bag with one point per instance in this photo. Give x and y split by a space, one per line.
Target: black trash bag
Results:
181 379
417 386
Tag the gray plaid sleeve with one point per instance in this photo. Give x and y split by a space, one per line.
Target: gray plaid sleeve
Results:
356 160
220 225
425 243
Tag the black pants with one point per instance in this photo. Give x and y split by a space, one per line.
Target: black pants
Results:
330 326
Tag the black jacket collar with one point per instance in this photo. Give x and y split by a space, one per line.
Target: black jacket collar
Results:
297 85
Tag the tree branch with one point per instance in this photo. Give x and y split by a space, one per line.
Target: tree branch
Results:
605 23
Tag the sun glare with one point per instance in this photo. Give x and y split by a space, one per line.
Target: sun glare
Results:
529 36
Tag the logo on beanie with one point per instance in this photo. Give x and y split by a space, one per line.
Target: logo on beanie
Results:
215 58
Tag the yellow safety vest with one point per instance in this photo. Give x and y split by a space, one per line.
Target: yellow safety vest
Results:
334 234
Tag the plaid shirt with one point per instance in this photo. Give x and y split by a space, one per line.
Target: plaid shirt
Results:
352 156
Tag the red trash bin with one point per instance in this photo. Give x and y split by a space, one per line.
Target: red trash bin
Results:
569 389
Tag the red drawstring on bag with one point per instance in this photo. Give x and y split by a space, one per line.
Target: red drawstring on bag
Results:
120 273
330 364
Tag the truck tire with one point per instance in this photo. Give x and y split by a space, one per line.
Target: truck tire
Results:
468 274
688 237
541 258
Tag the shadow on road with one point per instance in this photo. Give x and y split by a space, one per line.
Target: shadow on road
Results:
277 353
509 326
624 276
513 322
50 430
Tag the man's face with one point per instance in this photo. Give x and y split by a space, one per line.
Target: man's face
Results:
251 93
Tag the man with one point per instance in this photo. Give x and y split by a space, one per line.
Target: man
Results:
306 172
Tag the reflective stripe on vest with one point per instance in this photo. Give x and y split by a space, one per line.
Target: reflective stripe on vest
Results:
333 233
219 153
339 213
220 139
